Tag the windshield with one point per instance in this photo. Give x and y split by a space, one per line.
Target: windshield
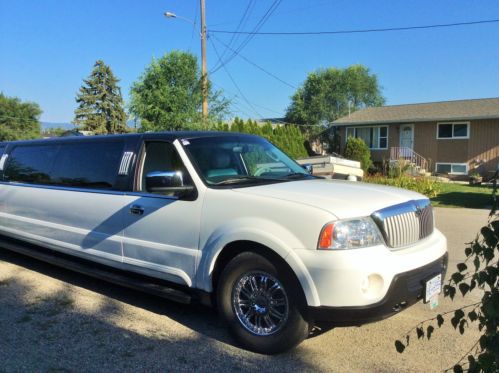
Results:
241 160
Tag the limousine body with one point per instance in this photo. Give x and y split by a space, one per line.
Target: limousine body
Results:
226 219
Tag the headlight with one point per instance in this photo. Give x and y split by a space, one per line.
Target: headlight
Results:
349 234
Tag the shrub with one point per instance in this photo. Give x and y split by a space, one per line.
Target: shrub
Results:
357 150
423 185
288 138
398 168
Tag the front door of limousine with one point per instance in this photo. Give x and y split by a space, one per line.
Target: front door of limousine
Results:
161 232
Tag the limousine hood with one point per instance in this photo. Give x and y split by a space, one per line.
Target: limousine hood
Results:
344 199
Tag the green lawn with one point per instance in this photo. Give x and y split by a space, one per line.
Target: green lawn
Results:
457 195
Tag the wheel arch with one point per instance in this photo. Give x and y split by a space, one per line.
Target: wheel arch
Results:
291 264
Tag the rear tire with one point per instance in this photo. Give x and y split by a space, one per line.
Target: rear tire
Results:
262 305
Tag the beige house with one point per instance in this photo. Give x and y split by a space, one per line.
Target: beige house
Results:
449 137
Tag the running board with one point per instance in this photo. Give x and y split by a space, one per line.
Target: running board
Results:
130 280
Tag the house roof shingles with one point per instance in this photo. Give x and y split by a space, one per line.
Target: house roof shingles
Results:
485 108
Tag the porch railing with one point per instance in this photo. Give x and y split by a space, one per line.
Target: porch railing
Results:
417 160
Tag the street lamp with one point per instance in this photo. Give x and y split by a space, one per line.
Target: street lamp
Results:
204 73
174 15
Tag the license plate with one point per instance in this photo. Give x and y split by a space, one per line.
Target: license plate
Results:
433 287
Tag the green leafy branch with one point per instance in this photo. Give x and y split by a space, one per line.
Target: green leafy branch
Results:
480 271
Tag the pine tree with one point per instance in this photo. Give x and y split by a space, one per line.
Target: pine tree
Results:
100 104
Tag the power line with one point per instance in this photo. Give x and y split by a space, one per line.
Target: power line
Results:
254 64
242 110
359 31
268 109
265 108
293 10
234 82
260 23
235 99
252 103
240 25
194 25
242 104
251 34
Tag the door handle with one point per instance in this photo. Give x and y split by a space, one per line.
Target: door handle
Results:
136 210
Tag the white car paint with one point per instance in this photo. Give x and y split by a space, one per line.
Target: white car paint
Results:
336 196
288 218
181 240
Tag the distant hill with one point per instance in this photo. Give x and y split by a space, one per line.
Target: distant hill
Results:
70 126
48 125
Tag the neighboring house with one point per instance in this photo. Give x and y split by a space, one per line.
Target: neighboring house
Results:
449 137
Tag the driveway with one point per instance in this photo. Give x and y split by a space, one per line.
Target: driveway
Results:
55 320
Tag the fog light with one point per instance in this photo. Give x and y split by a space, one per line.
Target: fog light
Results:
372 285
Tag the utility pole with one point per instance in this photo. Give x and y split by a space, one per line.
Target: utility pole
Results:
204 73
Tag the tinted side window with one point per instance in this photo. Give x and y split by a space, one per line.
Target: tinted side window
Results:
88 164
2 148
31 164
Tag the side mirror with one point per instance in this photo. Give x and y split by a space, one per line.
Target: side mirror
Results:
167 182
308 167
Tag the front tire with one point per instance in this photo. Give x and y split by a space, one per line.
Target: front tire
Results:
262 305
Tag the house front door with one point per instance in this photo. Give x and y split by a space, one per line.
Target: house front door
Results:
407 136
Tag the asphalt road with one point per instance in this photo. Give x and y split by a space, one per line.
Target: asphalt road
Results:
54 320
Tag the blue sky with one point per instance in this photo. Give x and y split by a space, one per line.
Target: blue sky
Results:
48 47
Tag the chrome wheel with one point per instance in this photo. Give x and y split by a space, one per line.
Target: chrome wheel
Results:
260 303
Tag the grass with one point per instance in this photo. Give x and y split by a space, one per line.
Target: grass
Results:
459 195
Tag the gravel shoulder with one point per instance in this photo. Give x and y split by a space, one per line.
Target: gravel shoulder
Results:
54 320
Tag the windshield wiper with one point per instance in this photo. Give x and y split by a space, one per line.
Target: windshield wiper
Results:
235 180
295 175
258 179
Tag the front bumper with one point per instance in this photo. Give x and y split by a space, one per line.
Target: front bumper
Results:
405 290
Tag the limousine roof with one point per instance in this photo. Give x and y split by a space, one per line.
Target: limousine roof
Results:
171 136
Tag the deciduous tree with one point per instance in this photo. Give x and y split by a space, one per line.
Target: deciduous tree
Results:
168 95
18 120
328 94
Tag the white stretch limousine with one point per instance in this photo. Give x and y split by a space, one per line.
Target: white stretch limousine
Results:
226 219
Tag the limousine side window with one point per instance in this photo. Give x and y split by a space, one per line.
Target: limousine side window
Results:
80 165
91 165
30 164
161 157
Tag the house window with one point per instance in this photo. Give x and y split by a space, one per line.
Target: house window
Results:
452 168
453 130
374 137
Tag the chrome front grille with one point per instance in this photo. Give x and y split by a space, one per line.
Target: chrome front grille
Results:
406 223
426 223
